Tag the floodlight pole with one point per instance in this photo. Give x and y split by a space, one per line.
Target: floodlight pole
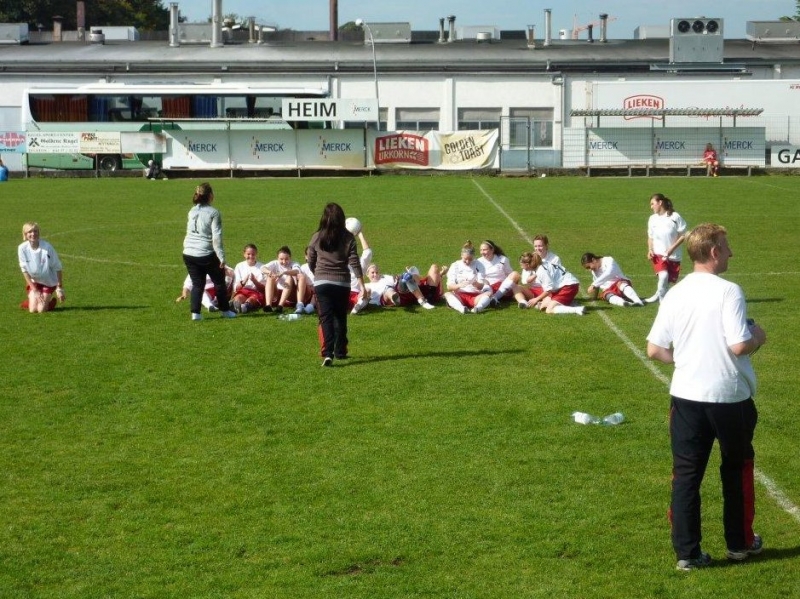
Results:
365 25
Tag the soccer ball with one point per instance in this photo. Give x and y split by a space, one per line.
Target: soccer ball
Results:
353 225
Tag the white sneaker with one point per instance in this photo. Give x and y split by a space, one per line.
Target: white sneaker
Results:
300 308
309 309
427 306
580 311
228 314
197 316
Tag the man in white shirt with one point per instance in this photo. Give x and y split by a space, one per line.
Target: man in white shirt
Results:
702 329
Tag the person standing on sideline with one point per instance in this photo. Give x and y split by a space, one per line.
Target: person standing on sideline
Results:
332 254
3 171
203 253
41 268
702 329
666 231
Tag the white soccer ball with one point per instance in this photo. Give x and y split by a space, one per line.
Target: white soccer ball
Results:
353 225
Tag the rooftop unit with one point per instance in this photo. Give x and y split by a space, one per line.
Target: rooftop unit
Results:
195 33
390 33
696 40
481 33
773 31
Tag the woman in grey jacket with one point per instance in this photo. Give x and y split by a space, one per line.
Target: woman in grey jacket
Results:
203 253
332 253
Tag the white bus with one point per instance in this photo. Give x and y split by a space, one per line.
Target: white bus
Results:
96 109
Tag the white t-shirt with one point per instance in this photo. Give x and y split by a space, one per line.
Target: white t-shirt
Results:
42 263
700 318
553 277
378 288
496 269
607 274
664 229
459 273
306 270
243 270
274 267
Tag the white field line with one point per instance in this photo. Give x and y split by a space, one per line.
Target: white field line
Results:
121 262
773 490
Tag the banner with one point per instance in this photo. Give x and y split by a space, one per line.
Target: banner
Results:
12 142
53 142
100 142
319 109
459 150
331 148
784 157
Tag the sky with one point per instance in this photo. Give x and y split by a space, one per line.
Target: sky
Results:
624 16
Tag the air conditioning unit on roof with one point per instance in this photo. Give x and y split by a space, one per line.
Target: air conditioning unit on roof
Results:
696 39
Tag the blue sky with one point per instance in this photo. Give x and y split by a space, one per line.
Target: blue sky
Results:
505 14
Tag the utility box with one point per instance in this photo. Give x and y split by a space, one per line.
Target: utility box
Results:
391 33
696 40
14 33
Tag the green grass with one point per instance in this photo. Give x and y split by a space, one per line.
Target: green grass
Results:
143 455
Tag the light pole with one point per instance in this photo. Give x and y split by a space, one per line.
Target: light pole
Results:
365 25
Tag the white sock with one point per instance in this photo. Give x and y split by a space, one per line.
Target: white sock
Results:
616 300
454 303
568 309
502 290
663 283
482 303
629 292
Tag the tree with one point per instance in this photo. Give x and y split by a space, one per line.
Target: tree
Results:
142 14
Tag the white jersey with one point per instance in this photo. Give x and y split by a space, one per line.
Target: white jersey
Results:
366 259
700 318
42 264
495 270
459 273
275 268
664 229
553 277
608 273
378 288
306 270
552 258
243 270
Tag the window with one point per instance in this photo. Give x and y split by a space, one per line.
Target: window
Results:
470 119
531 127
417 119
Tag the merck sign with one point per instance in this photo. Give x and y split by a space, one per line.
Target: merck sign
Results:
643 101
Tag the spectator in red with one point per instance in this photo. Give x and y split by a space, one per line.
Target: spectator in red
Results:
712 161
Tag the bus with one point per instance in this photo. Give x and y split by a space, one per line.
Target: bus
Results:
105 113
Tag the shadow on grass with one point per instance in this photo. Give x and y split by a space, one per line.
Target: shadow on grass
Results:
467 353
765 300
768 553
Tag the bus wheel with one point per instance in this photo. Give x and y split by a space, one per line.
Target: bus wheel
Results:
108 163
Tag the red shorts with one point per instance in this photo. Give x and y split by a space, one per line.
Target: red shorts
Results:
468 299
566 294
673 268
354 297
614 289
252 296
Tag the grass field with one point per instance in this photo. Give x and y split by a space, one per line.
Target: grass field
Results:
144 455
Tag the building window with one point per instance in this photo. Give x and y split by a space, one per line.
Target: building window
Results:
471 119
417 119
531 128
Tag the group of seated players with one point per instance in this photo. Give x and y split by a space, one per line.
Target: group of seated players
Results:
469 285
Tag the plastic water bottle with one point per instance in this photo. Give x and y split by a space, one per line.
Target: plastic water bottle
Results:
584 418
289 316
615 418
